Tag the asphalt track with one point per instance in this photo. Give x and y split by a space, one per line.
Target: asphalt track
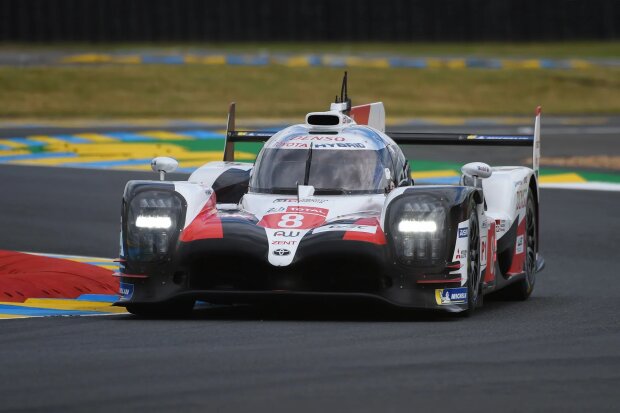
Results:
559 351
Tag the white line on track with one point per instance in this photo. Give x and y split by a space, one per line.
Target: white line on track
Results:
588 186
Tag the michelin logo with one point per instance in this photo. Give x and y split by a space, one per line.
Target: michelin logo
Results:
126 291
520 244
448 296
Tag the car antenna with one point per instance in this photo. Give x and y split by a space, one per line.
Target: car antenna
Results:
344 94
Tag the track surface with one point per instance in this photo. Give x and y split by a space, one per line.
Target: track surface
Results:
559 351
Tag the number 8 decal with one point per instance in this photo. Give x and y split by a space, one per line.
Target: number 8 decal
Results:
291 221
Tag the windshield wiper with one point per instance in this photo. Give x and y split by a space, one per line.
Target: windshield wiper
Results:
308 163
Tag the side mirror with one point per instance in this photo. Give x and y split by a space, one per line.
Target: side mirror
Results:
477 169
473 172
164 165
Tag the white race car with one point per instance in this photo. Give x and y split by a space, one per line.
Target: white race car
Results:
329 211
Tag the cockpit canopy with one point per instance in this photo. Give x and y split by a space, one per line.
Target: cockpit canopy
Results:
353 161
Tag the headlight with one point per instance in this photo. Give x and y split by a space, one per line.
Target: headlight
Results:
417 226
153 224
145 221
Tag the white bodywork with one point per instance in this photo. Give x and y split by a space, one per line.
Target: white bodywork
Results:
506 195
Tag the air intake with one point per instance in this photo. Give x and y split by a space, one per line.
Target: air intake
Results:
324 120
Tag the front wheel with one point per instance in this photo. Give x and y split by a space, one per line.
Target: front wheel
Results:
474 276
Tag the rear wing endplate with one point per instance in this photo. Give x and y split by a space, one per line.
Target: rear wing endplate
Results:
233 135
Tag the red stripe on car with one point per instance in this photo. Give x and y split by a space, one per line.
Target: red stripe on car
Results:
377 238
207 224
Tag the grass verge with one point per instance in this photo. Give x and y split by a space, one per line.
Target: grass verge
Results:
275 91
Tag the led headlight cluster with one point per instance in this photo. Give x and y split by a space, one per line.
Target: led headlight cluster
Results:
417 226
152 224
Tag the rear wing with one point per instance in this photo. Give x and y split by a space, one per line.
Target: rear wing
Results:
404 138
416 138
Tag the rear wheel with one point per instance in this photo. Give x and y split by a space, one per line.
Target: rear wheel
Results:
172 309
523 288
474 289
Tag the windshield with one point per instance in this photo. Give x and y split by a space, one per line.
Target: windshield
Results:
330 171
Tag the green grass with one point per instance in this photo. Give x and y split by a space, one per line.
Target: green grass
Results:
278 91
581 49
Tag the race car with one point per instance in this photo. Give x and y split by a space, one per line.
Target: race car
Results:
329 211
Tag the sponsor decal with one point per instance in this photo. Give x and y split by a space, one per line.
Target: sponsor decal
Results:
305 200
369 229
287 234
306 145
499 138
280 252
283 242
463 232
339 145
126 291
319 138
295 217
461 254
448 296
500 225
521 198
520 244
308 210
276 209
284 145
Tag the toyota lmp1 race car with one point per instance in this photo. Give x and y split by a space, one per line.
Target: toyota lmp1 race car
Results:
329 211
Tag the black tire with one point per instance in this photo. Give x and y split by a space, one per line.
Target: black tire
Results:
474 276
162 310
522 289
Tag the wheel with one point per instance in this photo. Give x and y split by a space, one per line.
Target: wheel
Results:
474 277
523 288
172 309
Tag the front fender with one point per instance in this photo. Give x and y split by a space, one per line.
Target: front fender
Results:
146 239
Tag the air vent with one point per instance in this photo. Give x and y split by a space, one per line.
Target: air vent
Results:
323 120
